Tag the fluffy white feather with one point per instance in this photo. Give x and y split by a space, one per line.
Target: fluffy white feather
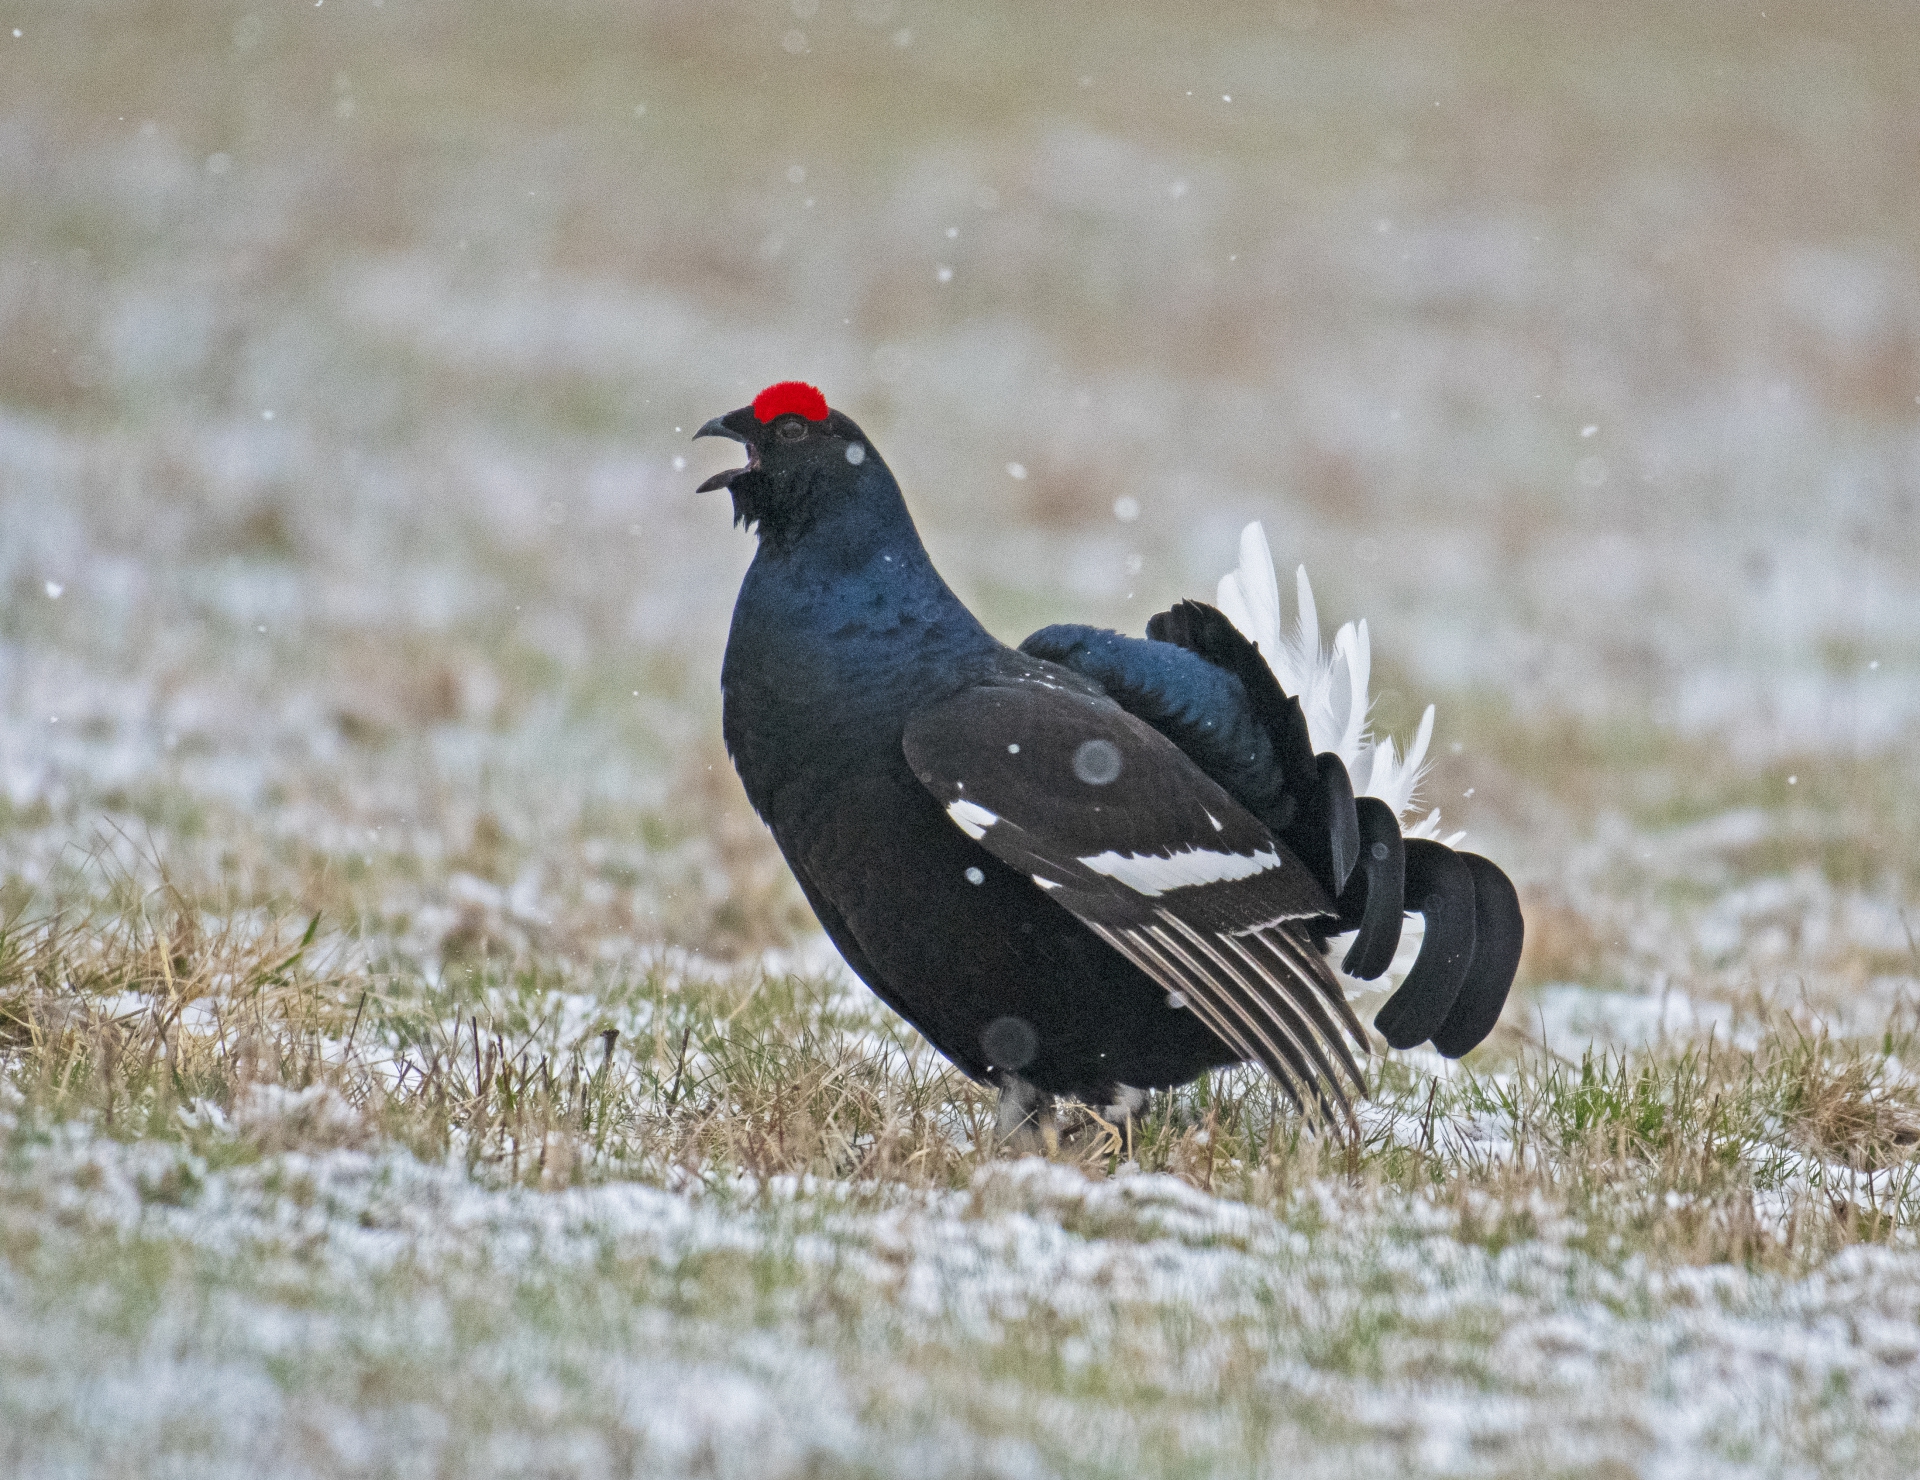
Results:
1331 683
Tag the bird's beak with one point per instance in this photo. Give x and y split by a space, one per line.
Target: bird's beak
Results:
724 478
718 428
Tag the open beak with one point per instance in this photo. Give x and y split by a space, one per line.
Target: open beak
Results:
724 478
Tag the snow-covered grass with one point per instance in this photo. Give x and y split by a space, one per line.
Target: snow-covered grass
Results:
166 1024
355 1313
413 1055
263 1214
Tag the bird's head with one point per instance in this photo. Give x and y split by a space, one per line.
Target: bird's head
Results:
799 452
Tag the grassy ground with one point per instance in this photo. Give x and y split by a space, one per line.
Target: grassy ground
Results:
265 1211
414 1057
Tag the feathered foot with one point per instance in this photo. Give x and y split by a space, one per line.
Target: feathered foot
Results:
1024 1124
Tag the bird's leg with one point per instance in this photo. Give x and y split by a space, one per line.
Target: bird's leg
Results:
1128 1107
1025 1123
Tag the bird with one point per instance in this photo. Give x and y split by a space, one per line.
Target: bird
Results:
1090 866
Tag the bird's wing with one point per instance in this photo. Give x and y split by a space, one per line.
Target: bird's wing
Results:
1197 681
1197 704
1119 827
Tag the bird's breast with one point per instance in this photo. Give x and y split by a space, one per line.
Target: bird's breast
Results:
825 662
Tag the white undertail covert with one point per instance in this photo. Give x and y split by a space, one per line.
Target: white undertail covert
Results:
1332 683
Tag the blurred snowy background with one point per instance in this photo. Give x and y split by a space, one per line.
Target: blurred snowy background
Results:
349 353
351 572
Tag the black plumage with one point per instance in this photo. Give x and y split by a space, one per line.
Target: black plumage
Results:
1091 865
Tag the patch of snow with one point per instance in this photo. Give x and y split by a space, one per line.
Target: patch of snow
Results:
692 1330
1574 1018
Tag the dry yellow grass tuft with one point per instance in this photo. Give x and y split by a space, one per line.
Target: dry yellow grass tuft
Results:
254 1035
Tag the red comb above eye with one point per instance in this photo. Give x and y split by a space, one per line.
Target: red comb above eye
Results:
790 396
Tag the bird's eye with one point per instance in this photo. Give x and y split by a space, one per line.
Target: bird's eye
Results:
791 430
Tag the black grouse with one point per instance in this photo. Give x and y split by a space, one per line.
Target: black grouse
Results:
1092 865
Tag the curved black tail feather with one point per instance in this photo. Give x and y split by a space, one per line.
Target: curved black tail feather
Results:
1440 886
1373 898
1342 818
1499 932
